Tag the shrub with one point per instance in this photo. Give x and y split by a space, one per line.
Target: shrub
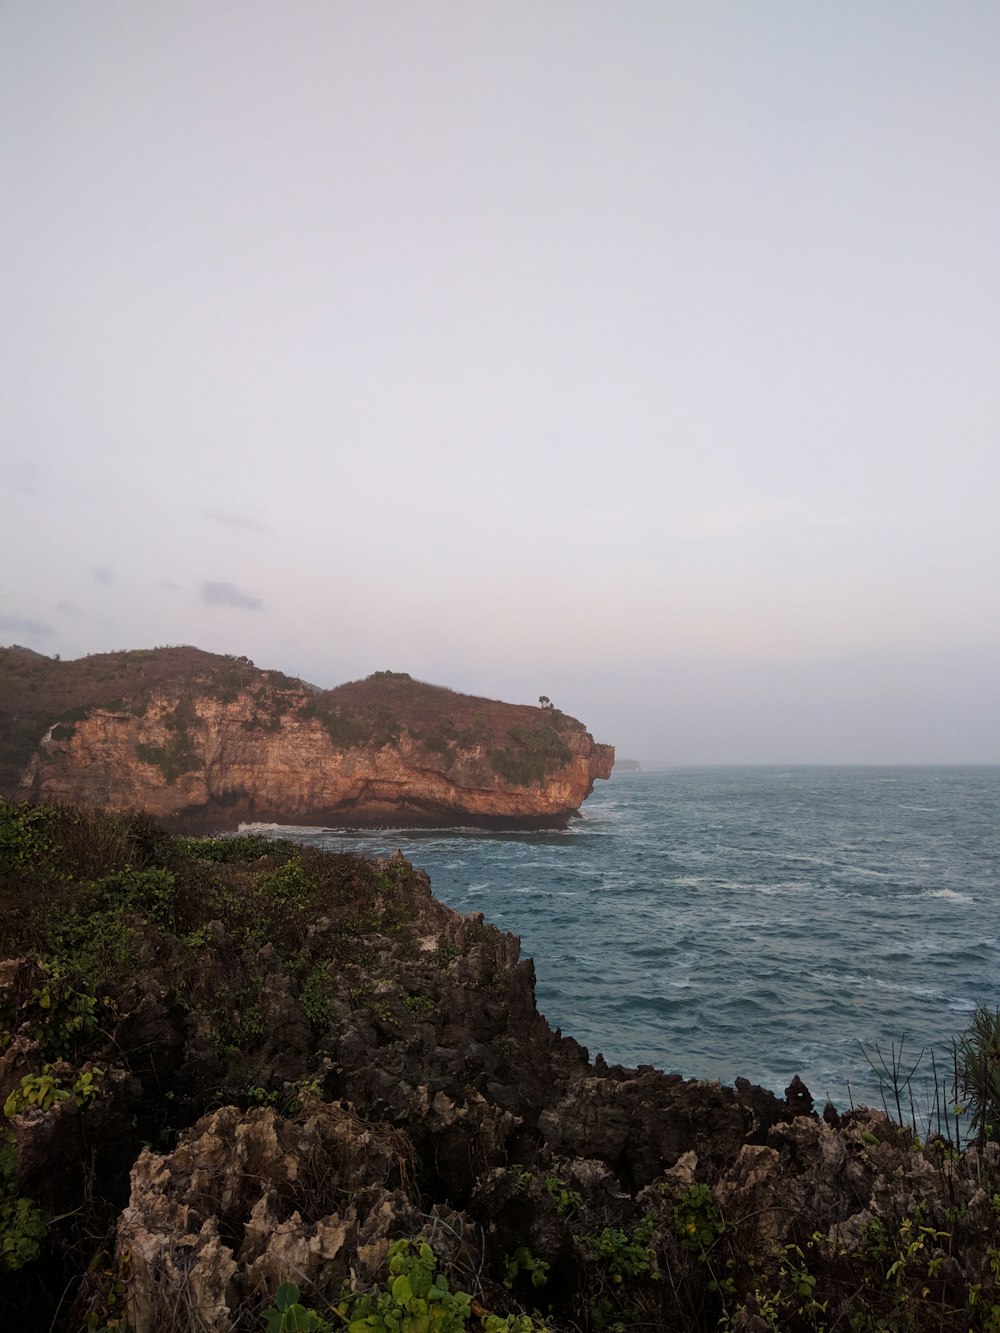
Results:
230 850
317 996
26 841
178 756
22 1229
417 1297
536 752
977 1064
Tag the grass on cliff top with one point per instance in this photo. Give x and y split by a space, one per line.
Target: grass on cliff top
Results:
76 885
37 691
519 743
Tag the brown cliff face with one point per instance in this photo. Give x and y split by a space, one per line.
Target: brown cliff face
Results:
232 744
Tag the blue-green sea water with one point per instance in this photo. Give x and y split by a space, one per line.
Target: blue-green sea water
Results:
747 921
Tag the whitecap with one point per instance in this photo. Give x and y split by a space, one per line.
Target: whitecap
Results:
787 886
952 895
284 830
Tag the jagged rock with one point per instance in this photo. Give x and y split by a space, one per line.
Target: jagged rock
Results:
641 1123
248 1200
798 1097
446 1108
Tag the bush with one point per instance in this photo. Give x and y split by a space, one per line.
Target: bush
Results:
535 753
977 1066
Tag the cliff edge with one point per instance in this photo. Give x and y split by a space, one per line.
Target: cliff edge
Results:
204 742
229 1064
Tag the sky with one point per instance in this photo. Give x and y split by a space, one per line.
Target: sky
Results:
643 355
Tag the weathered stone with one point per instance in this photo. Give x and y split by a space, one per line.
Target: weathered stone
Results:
262 752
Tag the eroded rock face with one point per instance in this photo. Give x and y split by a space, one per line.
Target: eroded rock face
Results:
203 758
248 1200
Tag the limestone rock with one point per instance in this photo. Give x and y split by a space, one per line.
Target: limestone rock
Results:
205 743
248 1200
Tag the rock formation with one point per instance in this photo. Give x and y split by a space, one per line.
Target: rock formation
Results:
229 1064
203 742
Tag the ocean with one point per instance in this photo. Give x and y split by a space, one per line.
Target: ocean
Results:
763 922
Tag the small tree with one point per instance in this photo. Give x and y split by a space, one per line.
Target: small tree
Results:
977 1064
544 701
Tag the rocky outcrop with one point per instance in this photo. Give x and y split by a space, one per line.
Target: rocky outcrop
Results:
248 1198
225 743
234 1063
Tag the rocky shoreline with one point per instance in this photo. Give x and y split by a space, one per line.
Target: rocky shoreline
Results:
232 1064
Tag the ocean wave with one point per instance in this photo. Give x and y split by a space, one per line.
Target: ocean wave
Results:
846 909
286 830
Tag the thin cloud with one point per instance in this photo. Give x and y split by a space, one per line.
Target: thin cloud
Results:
22 625
227 594
105 577
239 522
68 609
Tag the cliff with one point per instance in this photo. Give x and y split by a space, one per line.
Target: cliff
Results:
227 1064
206 742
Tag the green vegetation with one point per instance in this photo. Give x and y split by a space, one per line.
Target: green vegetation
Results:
95 893
93 902
38 693
317 996
248 847
22 1226
523 1261
57 1016
533 754
280 965
522 746
26 842
567 1200
178 755
49 1087
418 1299
977 1058
440 740
22 1230
624 1254
422 1007
288 1315
375 726
700 1230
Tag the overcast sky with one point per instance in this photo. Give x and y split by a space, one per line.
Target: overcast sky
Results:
646 355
